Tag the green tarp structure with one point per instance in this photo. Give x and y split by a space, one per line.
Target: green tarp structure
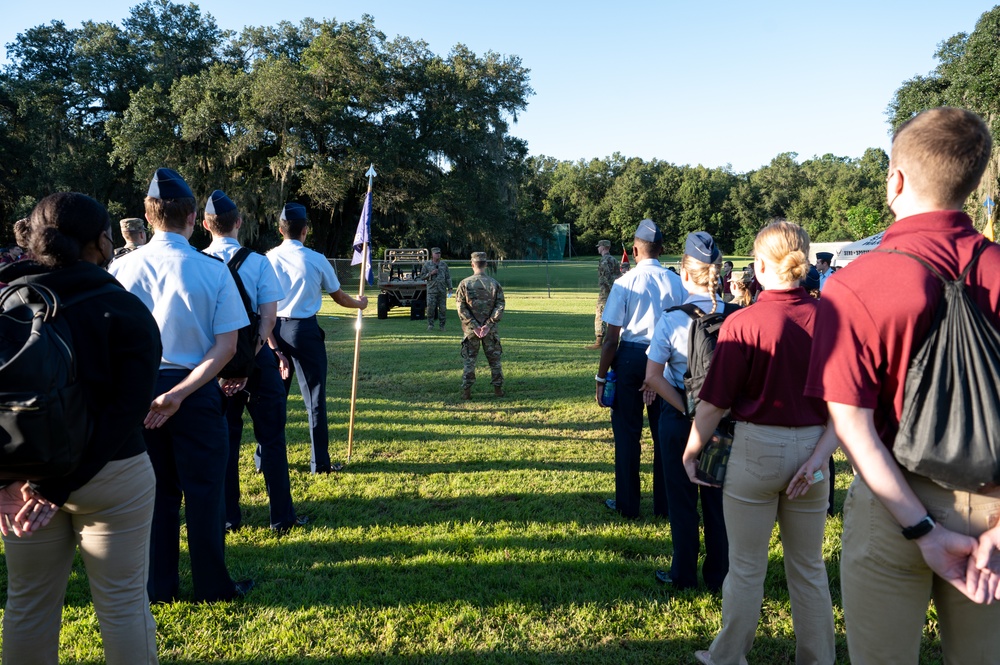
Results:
552 248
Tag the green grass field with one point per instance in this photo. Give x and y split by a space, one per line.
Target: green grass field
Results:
460 532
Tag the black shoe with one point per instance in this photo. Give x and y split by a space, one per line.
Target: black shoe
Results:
233 528
663 577
243 587
611 504
281 530
334 468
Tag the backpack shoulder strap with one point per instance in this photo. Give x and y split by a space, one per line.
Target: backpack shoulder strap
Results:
961 278
688 308
239 257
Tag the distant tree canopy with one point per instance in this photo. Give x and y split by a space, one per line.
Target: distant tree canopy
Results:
968 76
298 112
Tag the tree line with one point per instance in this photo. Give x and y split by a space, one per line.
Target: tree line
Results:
299 111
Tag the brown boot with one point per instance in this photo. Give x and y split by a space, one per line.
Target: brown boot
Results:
596 345
498 391
467 393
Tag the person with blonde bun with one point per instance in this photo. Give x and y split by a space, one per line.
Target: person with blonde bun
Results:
758 375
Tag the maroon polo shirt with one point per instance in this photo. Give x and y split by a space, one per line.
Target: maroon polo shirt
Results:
760 363
876 312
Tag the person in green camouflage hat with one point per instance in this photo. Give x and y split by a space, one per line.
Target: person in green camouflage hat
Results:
480 303
439 287
607 270
134 232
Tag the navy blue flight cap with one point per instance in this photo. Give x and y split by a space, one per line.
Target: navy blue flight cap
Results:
293 212
168 184
648 231
701 246
218 203
811 282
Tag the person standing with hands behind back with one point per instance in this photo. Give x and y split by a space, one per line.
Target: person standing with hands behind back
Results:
480 303
906 538
106 504
758 372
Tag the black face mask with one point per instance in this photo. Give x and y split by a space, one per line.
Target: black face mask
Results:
111 255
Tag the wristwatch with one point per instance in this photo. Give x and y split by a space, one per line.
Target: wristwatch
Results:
921 528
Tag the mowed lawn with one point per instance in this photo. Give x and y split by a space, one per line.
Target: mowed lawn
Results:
460 532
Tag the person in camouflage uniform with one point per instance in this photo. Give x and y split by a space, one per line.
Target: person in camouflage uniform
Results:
607 270
480 303
439 287
134 232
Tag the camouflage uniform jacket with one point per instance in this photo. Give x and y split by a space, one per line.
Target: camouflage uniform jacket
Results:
607 270
441 282
479 299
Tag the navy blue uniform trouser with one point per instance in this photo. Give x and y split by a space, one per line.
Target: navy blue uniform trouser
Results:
626 423
264 399
189 455
683 497
302 340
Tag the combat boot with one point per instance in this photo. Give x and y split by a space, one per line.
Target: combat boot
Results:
596 345
498 391
467 393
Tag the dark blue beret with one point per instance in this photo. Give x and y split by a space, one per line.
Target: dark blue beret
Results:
293 212
218 203
168 184
701 246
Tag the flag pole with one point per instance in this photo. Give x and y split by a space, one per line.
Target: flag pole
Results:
365 267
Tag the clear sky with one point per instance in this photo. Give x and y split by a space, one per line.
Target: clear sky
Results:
710 82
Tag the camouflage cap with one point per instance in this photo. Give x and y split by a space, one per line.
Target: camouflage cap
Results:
435 250
132 225
479 256
604 243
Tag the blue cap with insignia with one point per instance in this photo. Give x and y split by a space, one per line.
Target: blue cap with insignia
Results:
168 184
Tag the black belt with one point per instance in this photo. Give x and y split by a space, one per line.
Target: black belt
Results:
633 345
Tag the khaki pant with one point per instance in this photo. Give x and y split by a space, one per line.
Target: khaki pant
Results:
600 327
763 461
887 586
109 520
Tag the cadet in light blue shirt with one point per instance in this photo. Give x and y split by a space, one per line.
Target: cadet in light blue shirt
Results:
636 302
198 309
262 393
304 275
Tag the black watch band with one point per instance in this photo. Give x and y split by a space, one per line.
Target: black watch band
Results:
921 528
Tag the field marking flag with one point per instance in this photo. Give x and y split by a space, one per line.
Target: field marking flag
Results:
363 240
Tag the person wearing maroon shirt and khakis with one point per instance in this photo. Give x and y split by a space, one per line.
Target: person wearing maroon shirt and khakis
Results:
907 539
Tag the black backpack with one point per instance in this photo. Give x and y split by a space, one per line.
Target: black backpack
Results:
243 363
949 430
44 424
702 338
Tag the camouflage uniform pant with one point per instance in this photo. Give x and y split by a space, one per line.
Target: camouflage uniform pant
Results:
493 351
600 327
437 305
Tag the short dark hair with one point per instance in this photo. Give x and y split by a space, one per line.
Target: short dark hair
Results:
169 214
223 223
62 224
649 248
944 152
292 229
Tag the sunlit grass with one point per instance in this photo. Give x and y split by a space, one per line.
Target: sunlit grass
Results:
460 532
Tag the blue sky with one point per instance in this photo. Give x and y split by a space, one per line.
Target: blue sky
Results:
710 83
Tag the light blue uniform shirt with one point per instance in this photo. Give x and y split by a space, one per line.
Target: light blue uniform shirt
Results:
192 296
303 275
670 340
258 276
638 298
